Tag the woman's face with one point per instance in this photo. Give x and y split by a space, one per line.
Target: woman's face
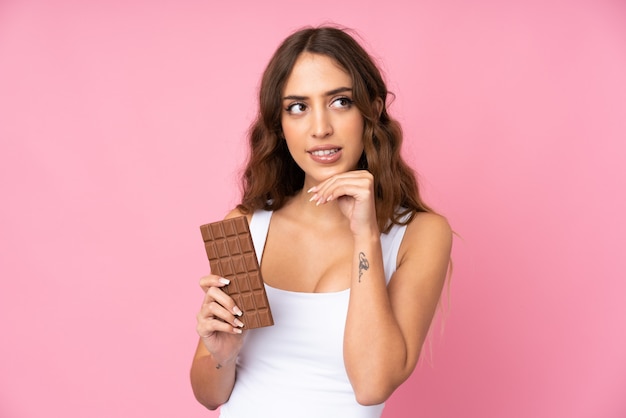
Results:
322 126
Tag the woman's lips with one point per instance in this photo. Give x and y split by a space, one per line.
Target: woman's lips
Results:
326 155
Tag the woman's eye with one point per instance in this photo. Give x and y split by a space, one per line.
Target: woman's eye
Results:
296 108
342 103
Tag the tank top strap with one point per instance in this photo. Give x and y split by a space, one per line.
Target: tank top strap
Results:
259 226
390 243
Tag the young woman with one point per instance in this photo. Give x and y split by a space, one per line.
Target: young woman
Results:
354 262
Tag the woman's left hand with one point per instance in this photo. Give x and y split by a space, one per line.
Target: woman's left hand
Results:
354 193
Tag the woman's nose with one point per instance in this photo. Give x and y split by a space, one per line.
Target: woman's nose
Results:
322 126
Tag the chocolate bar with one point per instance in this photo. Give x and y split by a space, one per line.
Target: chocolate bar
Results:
231 255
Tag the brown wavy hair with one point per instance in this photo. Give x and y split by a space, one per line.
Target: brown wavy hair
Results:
271 176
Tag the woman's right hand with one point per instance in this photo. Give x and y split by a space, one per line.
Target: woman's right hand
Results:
219 325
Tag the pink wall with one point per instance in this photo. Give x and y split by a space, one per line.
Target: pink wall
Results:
121 123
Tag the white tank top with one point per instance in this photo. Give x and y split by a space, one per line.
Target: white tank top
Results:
295 368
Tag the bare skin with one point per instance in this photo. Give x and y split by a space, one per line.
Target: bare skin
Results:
332 221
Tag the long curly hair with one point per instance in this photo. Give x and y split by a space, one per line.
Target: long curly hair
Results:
271 176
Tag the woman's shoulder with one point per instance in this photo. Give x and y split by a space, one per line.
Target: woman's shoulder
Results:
431 222
236 212
427 232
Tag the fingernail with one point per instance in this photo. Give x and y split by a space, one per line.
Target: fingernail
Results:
311 189
237 311
238 323
313 198
223 280
329 198
237 330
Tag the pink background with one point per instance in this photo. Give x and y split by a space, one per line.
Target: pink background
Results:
121 122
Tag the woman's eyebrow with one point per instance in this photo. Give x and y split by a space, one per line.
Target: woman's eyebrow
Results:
328 93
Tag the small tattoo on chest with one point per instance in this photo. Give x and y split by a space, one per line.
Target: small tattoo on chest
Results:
363 264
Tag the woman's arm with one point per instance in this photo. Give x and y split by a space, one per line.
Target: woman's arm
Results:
211 381
213 369
386 324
